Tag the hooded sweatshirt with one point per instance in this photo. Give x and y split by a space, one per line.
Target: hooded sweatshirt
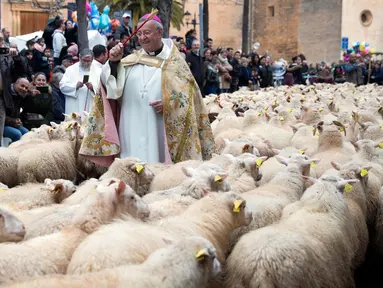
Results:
59 42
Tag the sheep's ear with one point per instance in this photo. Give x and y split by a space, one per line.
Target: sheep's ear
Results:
341 185
276 151
67 116
335 165
188 171
202 255
167 241
237 205
282 160
121 188
256 152
267 115
47 181
138 167
295 129
54 125
74 115
75 125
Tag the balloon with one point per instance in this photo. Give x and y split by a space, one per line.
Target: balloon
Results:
372 50
94 9
358 55
88 9
114 24
362 46
104 18
354 44
74 16
367 44
94 23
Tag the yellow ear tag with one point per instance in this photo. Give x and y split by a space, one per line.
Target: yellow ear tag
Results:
259 114
363 172
317 133
321 109
94 190
274 104
200 254
139 168
259 162
312 164
341 129
266 108
236 208
311 90
67 128
347 188
2 190
380 145
290 110
281 119
302 152
357 99
381 127
217 178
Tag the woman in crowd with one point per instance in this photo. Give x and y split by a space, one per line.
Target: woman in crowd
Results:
224 72
38 105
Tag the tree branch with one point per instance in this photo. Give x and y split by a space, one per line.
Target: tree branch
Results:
51 7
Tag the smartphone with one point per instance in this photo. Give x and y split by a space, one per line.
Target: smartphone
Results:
43 89
85 79
4 50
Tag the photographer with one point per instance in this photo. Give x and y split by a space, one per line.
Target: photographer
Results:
11 68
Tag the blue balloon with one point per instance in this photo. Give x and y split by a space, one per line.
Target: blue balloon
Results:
104 18
367 44
94 24
94 8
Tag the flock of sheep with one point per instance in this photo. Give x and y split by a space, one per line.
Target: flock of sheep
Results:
290 199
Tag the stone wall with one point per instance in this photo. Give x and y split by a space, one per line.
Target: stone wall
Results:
320 29
277 34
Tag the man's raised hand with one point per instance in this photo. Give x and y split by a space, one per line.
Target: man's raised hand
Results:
116 53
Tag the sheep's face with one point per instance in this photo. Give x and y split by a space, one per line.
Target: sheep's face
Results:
353 170
251 164
134 205
302 161
11 228
143 175
60 188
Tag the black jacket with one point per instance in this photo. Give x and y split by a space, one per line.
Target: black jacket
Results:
47 35
13 113
266 75
58 101
11 69
196 67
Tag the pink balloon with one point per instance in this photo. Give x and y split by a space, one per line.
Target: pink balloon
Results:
88 8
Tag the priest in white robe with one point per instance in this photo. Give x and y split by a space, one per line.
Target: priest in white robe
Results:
78 95
162 115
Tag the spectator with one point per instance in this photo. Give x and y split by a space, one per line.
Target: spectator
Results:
29 63
236 72
70 33
265 72
14 128
6 35
209 43
30 46
37 106
254 63
195 63
124 27
58 98
59 42
353 71
100 55
245 75
230 53
190 36
49 30
11 65
127 48
224 72
41 61
212 73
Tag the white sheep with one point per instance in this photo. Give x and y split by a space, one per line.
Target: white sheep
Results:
215 216
132 171
8 166
296 251
190 263
51 254
30 196
207 178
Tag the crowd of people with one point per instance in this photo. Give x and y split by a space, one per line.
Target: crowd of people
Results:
40 83
220 70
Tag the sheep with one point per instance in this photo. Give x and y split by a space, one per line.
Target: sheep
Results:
356 200
3 187
8 166
370 131
331 146
54 159
133 172
51 254
11 228
187 263
214 216
378 239
207 178
30 196
173 176
286 187
63 216
303 138
296 251
82 192
157 168
239 146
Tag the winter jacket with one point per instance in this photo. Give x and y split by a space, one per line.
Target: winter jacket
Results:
196 67
48 34
59 42
58 101
13 113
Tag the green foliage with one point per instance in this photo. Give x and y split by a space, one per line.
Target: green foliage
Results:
143 6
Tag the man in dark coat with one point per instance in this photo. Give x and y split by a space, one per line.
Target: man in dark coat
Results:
195 62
